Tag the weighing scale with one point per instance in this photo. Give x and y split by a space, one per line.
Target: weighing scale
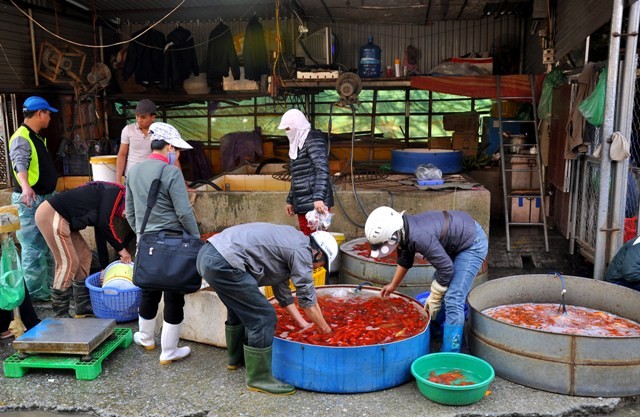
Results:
78 344
65 336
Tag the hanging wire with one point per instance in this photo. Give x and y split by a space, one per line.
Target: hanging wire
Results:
96 46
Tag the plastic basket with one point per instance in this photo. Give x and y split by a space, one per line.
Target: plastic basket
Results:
120 305
319 277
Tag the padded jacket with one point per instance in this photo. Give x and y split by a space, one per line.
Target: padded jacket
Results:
625 265
424 234
310 179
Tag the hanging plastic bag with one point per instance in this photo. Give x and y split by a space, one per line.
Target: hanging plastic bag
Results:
592 107
11 277
553 79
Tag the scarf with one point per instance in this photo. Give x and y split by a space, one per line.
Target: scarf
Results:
298 127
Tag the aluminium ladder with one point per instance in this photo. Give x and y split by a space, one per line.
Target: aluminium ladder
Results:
533 166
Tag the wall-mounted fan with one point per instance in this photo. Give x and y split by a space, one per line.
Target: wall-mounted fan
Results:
99 77
60 65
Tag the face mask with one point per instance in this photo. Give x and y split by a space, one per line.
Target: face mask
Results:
172 157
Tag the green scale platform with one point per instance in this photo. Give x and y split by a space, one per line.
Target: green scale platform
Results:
69 348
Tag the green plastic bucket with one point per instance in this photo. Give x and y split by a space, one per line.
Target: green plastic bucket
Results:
475 370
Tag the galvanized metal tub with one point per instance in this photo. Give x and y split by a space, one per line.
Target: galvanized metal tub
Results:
348 369
566 364
356 269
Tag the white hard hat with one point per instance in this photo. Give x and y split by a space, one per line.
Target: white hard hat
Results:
327 244
380 228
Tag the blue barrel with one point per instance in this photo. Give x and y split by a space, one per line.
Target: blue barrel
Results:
407 160
348 369
370 60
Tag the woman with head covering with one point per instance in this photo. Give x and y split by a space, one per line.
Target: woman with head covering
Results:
309 166
172 211
60 220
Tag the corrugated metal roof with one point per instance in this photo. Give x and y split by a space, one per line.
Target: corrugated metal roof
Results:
370 11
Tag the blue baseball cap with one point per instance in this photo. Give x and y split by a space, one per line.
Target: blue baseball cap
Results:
35 103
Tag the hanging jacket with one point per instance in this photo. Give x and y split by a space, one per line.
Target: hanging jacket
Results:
221 55
310 179
254 51
145 58
180 58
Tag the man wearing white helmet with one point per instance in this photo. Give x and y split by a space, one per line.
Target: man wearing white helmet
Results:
244 257
454 244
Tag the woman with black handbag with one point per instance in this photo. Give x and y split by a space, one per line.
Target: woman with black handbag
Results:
171 212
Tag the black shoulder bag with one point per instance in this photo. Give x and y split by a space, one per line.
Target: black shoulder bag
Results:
166 260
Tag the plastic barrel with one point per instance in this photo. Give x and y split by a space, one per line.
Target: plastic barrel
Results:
407 160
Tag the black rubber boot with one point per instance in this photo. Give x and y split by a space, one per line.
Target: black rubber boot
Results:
259 377
82 299
60 302
235 341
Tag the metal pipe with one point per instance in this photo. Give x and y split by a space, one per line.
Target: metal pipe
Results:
601 258
623 122
34 56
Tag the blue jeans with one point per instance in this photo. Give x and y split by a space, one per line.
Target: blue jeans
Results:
465 268
37 261
239 292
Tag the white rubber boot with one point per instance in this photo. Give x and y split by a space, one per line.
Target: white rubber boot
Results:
144 336
169 339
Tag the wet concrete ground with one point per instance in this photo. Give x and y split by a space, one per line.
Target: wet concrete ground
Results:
134 384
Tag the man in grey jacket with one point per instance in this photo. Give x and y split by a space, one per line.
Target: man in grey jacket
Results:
244 257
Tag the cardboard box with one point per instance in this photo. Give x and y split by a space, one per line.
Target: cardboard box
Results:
465 140
461 122
523 180
525 209
439 143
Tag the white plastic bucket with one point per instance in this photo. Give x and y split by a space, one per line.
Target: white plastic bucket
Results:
103 168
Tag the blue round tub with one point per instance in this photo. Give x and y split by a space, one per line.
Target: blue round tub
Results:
348 369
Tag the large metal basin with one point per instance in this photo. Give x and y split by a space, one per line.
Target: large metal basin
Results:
356 269
567 364
348 369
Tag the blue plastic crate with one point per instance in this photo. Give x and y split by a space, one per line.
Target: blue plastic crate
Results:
118 304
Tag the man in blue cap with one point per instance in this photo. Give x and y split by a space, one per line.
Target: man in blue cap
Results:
36 179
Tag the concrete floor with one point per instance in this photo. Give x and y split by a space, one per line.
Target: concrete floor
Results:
134 384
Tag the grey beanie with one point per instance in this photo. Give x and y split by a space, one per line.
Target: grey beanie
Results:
146 106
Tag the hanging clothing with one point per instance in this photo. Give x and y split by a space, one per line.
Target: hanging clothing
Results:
575 140
254 51
145 58
180 58
221 55
238 147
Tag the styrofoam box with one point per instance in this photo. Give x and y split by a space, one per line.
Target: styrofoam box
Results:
204 317
317 75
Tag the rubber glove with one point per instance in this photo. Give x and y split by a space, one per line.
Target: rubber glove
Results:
434 301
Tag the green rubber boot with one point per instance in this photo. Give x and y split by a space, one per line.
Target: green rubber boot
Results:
235 341
259 377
